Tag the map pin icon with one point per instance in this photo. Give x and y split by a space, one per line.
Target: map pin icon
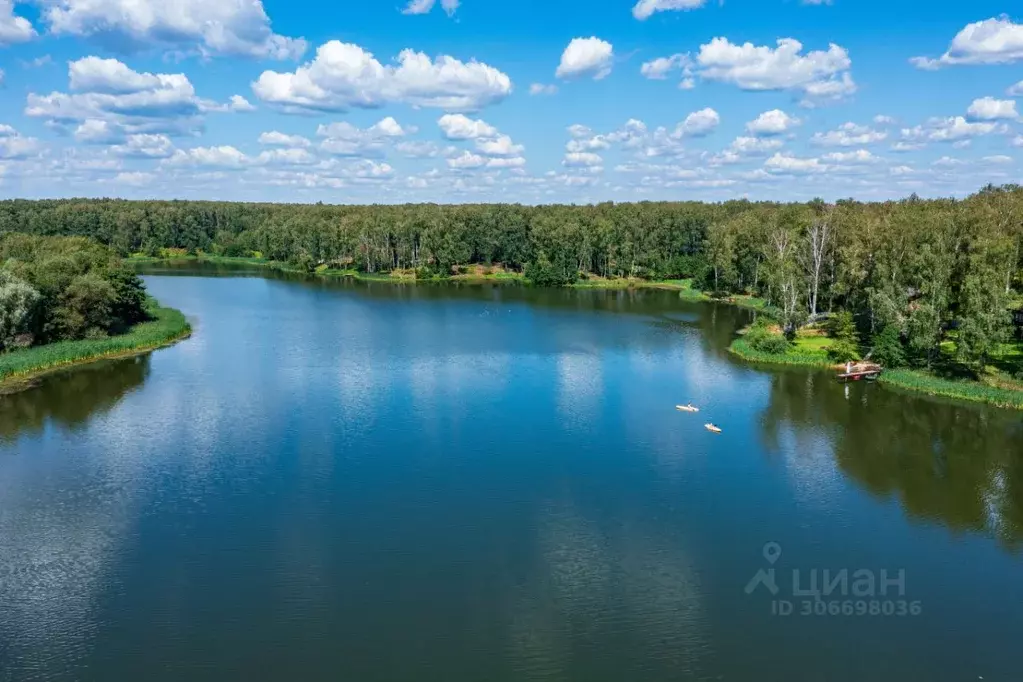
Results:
772 552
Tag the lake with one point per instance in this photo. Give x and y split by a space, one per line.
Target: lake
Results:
371 482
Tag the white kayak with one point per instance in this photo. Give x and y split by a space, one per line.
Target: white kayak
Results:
687 408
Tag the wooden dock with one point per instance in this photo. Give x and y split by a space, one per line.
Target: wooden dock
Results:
860 372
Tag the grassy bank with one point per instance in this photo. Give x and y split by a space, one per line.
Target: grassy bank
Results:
805 352
620 283
19 367
957 389
811 351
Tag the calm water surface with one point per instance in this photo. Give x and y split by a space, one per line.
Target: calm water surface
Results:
372 483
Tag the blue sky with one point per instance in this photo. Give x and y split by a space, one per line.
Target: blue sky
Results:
478 101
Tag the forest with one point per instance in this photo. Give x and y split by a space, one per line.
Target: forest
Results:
64 288
920 278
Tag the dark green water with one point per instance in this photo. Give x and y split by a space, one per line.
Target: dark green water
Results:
372 483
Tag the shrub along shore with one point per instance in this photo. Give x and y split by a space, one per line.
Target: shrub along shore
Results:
20 367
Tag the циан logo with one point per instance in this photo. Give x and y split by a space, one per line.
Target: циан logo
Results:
831 592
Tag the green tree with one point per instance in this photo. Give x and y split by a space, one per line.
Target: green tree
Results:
887 348
129 305
18 305
86 307
719 247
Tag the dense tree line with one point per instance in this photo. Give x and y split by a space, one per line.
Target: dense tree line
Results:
64 288
646 240
912 270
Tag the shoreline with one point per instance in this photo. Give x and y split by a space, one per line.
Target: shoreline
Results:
913 381
402 277
20 369
683 286
909 380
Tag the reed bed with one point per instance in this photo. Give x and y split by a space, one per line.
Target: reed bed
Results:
166 326
957 389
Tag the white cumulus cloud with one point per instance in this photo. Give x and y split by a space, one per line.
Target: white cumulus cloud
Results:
13 29
577 130
344 139
906 147
461 127
991 109
231 27
742 148
582 159
417 150
818 75
660 68
366 170
507 162
787 164
586 57
112 76
644 9
134 178
699 123
501 145
424 6
631 135
858 156
587 144
15 146
774 122
224 156
236 104
94 131
275 138
240 104
467 161
754 145
992 41
849 135
286 156
951 129
343 75
145 146
108 90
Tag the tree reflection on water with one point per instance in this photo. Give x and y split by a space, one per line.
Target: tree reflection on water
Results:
958 465
71 398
